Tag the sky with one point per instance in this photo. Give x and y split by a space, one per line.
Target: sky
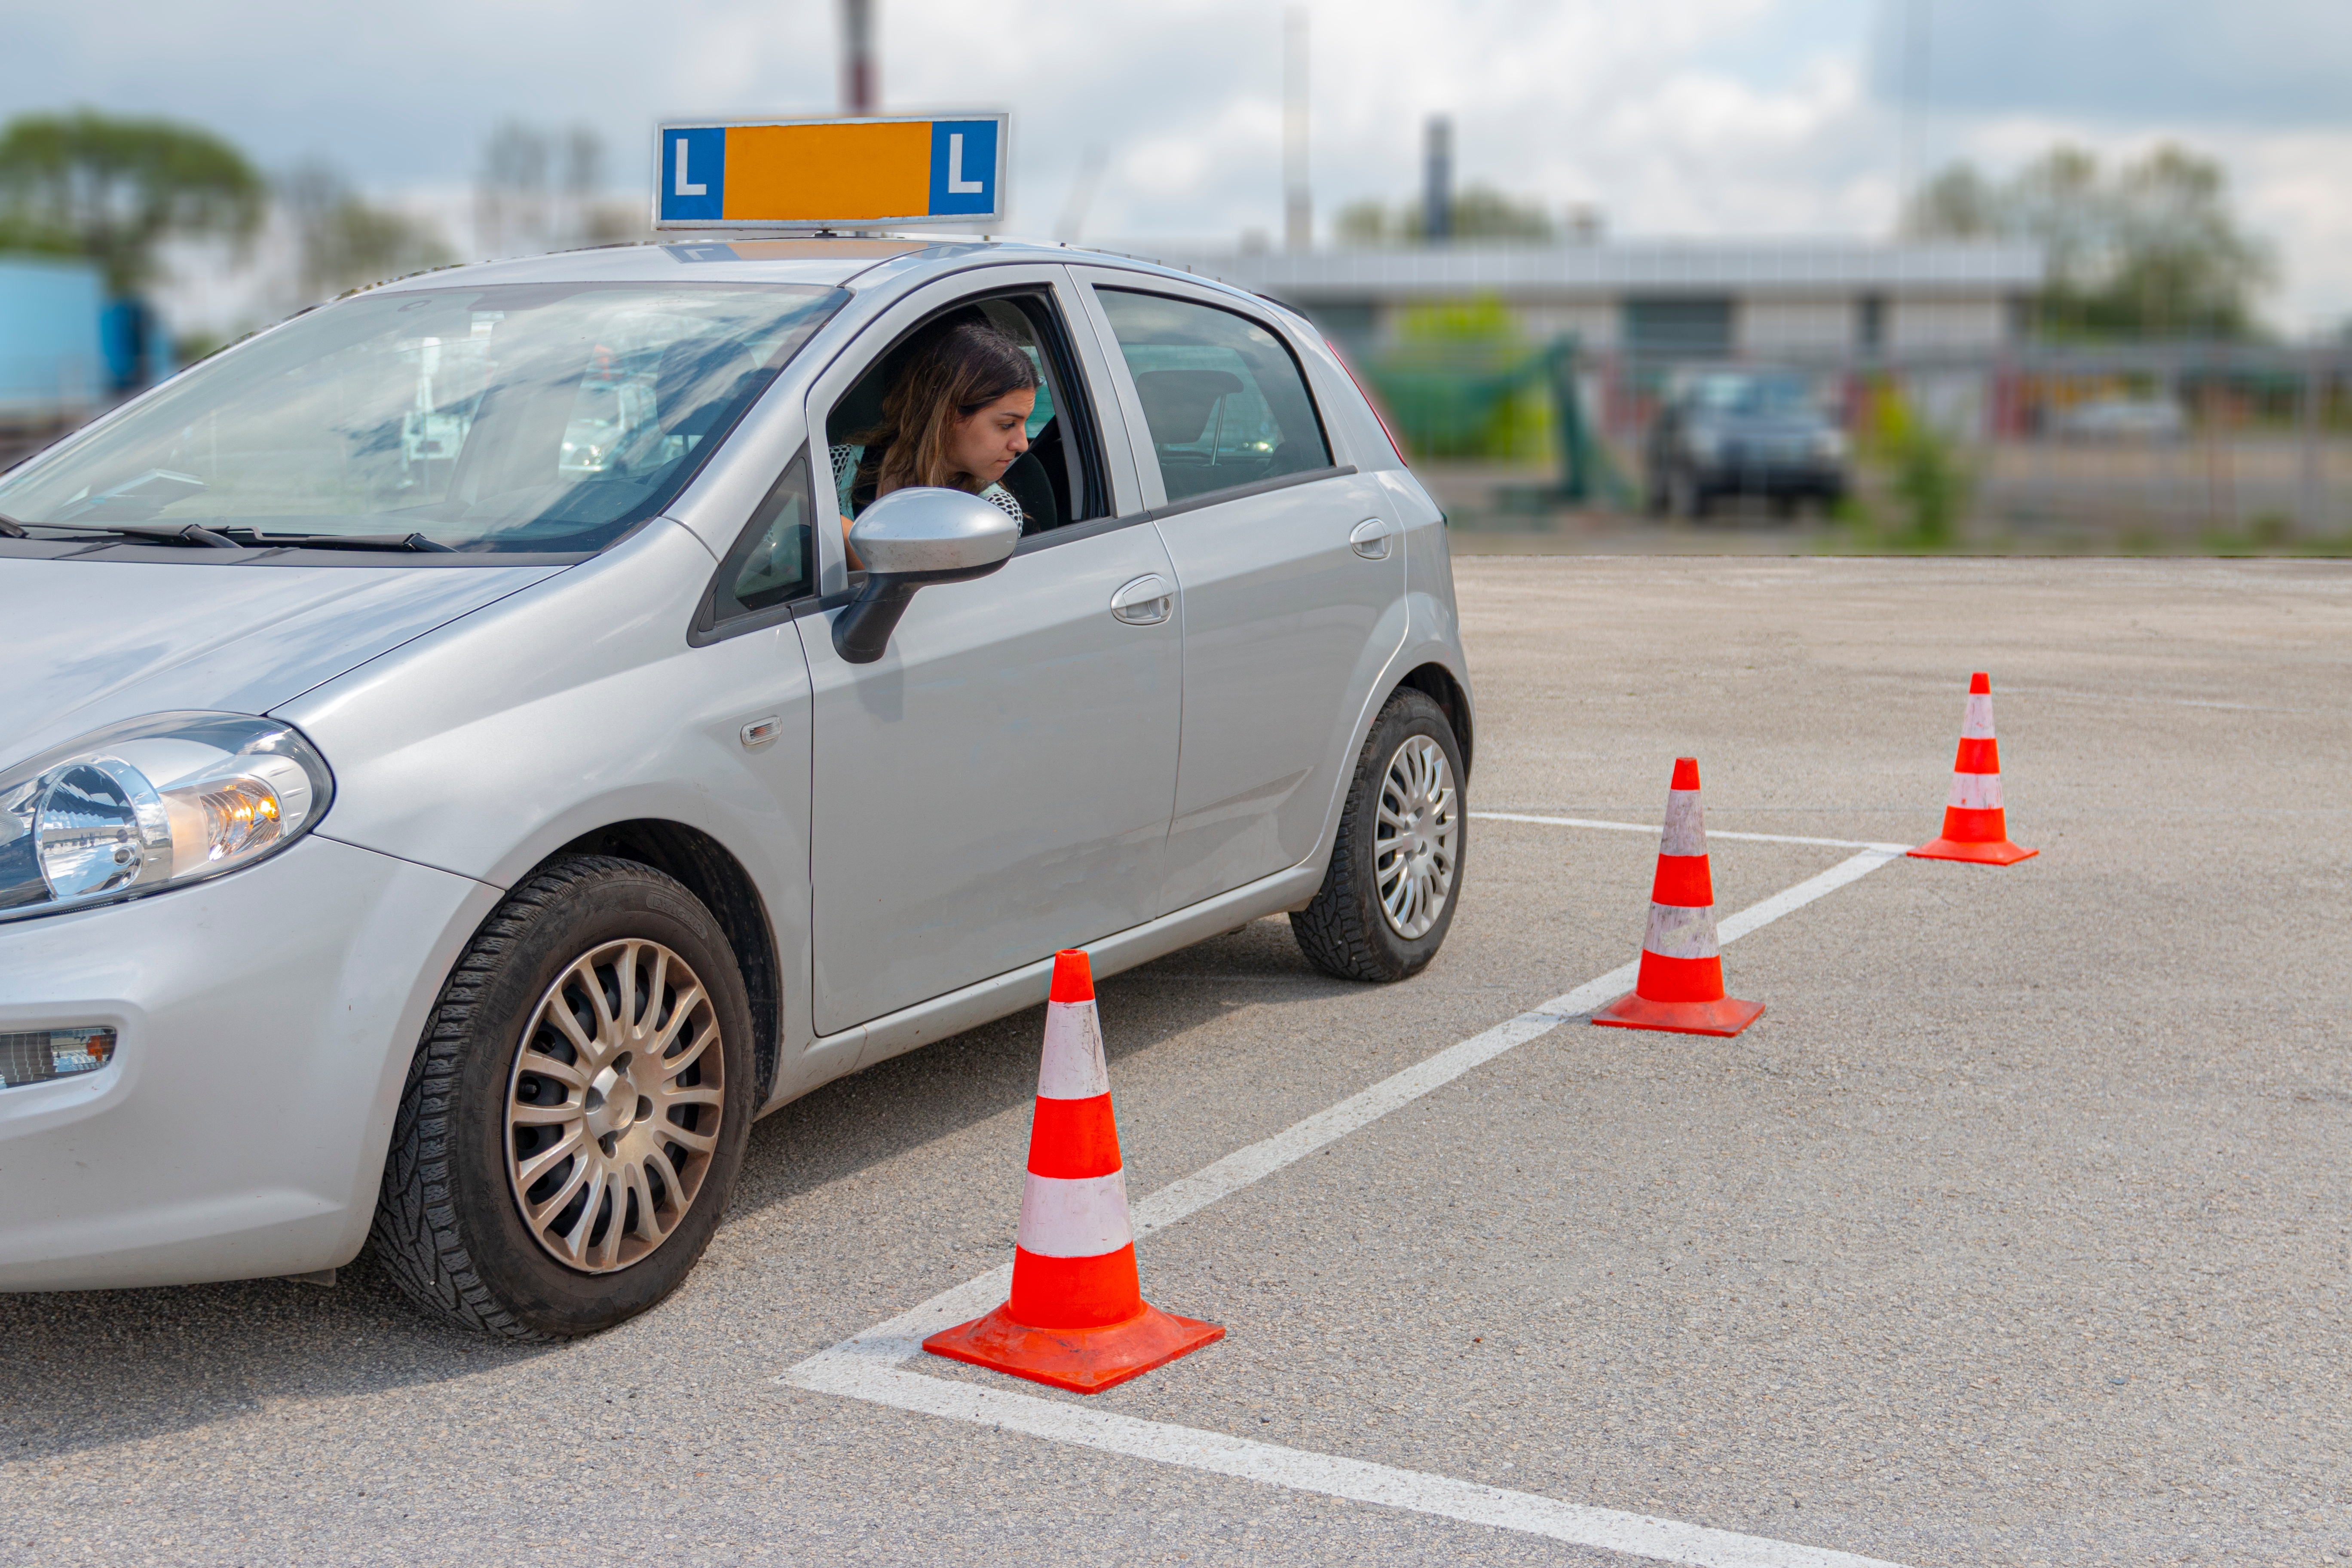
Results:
1681 118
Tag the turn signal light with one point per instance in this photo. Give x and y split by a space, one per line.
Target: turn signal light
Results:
39 1055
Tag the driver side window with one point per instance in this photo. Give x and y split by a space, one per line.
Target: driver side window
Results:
1060 480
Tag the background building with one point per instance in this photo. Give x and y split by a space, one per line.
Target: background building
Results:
1665 301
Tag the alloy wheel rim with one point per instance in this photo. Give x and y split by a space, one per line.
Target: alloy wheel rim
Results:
613 1105
1417 838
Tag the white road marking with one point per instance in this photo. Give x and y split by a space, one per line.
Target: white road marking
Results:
2153 697
869 1365
1638 1535
1711 833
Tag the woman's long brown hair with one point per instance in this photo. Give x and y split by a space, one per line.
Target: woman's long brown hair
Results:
952 375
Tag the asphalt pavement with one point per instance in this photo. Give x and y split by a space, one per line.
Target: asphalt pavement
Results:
2014 1232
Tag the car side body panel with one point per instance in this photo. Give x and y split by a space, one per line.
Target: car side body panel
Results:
600 713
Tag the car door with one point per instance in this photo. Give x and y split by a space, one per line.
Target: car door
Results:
997 785
1289 569
749 683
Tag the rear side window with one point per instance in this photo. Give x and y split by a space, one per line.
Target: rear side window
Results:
1225 402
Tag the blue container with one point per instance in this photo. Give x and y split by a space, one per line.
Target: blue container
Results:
53 357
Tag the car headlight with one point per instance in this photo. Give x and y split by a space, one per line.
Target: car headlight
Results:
1830 444
1705 444
153 803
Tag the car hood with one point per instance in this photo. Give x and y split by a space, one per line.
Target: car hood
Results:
88 643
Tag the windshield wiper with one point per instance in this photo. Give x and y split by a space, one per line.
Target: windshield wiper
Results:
260 541
221 539
154 533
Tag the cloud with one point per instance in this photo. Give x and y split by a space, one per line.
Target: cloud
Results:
2255 63
1691 117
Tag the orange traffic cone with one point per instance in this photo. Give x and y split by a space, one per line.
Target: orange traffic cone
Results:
1679 987
1975 827
1077 1317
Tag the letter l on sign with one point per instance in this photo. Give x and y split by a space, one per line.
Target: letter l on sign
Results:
698 188
957 183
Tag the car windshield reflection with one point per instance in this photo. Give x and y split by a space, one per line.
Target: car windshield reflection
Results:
522 417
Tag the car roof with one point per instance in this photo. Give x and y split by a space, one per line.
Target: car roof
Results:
848 260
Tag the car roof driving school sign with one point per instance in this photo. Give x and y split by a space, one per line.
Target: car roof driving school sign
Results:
832 174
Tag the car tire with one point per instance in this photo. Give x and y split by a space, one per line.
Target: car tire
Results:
1685 496
1352 930
475 1118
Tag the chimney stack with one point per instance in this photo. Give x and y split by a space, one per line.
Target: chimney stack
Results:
857 74
1437 181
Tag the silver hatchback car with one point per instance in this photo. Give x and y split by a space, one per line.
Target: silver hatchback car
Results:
455 773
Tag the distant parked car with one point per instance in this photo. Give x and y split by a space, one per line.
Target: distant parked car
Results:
1743 432
2122 419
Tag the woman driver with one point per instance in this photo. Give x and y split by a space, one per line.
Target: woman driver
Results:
956 416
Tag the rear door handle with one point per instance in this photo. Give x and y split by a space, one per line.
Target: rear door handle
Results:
1370 539
1146 601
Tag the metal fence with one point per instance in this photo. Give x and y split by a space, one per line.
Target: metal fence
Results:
2171 443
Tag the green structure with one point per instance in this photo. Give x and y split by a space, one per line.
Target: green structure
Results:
1459 400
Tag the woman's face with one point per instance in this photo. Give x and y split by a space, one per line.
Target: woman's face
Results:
984 444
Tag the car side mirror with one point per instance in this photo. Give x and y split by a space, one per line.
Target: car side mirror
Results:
910 538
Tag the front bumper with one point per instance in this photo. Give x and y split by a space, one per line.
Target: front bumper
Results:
266 1022
1773 476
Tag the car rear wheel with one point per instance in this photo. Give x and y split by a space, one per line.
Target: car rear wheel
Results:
575 1118
1685 498
1388 897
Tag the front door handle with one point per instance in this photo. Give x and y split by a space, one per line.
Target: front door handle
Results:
1146 601
1370 539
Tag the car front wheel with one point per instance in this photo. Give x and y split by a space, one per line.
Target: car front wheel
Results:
575 1120
1388 897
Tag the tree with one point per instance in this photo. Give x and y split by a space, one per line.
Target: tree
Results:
1480 212
114 190
2150 250
346 243
538 190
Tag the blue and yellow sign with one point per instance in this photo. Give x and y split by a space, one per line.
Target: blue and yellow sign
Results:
832 174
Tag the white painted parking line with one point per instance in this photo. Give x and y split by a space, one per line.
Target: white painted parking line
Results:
1639 1535
1711 833
870 1365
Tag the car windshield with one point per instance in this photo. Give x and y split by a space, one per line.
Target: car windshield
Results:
1773 396
534 417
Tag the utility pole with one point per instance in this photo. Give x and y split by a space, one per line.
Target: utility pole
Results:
1918 41
859 86
1297 206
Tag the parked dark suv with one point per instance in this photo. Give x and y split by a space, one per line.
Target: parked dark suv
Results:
1742 432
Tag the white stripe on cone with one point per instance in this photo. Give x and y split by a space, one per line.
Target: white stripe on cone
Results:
1685 825
1976 792
1977 723
1678 933
1080 1218
1073 1065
